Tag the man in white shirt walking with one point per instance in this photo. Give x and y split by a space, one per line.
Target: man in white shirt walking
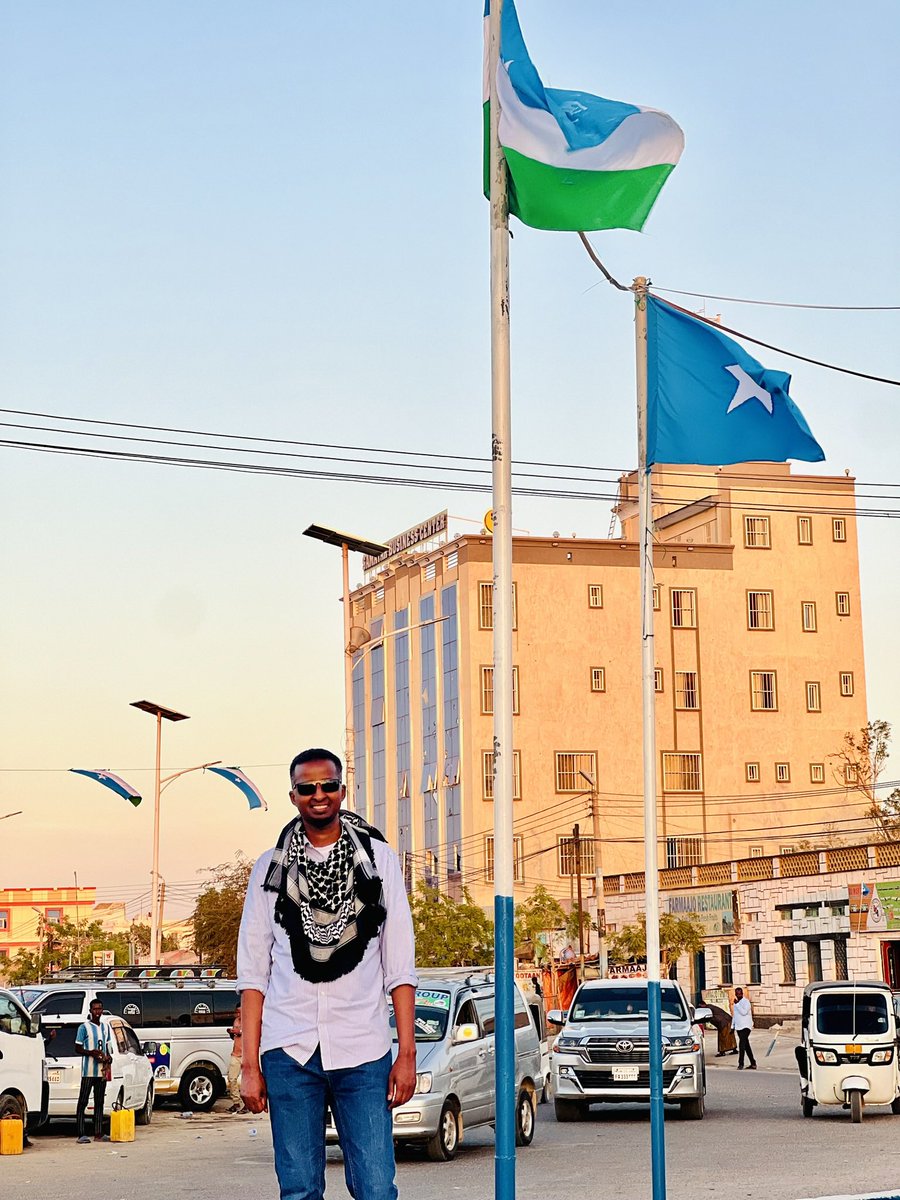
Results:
326 934
742 1024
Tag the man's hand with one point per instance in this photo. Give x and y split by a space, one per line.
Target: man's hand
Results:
402 1079
253 1089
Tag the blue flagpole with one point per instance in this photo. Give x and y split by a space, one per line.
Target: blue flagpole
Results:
505 1142
648 663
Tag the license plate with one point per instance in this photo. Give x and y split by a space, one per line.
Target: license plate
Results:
54 1076
853 1049
625 1074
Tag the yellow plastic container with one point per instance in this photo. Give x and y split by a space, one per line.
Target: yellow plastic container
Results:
121 1125
12 1136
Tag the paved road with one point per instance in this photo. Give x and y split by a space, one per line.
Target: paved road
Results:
753 1145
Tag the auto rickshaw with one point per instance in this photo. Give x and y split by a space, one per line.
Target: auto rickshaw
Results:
849 1045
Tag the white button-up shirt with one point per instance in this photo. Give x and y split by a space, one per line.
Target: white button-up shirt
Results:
743 1014
348 1017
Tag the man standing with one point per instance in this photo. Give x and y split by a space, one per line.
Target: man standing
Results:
742 1023
234 1065
92 1042
326 933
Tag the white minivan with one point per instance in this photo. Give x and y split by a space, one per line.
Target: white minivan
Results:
23 1076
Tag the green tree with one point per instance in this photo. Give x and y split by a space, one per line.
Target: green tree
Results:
69 943
217 914
677 935
859 765
450 933
539 914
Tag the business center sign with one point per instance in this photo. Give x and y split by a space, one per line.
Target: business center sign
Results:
715 911
426 531
874 907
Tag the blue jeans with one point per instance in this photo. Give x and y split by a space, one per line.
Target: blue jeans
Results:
358 1099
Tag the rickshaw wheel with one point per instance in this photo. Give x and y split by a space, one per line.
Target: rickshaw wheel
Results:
856 1107
806 1106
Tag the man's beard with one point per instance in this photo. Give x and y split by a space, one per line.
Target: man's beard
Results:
322 822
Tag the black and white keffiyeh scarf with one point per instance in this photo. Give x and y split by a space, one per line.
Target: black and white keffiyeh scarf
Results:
329 910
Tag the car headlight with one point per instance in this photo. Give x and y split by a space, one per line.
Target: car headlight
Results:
883 1056
423 1083
826 1056
566 1043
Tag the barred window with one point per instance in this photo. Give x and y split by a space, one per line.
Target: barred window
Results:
452 560
754 963
851 773
567 857
657 599
757 851
486 606
804 531
430 570
598 679
760 610
842 603
788 965
487 690
682 772
839 529
808 615
840 958
657 679
782 772
751 772
569 764
816 772
518 858
684 851
684 608
763 691
595 595
727 968
487 774
756 533
813 696
687 694
846 683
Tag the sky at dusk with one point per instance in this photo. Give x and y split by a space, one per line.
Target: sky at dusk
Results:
267 221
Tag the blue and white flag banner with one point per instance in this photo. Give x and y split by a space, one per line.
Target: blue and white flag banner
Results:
119 786
236 776
711 403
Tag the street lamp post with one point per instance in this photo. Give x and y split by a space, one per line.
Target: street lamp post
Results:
158 711
5 816
599 891
334 537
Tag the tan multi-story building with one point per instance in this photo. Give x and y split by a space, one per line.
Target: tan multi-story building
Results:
759 676
25 914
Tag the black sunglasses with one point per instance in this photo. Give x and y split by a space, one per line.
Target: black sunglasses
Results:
329 786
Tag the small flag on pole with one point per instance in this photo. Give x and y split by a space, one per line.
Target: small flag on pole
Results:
119 786
236 776
709 402
575 161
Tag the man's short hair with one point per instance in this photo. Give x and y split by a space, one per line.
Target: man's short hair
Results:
316 754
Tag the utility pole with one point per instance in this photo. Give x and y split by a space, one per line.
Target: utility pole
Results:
599 894
576 837
161 907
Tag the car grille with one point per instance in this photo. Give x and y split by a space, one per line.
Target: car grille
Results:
604 1050
604 1079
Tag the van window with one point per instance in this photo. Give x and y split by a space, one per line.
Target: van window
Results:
850 1014
520 1011
12 1018
224 1005
201 1008
133 1045
61 1002
484 1006
156 1010
59 1041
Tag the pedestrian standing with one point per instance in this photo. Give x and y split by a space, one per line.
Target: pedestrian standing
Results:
742 1024
234 1065
325 936
93 1044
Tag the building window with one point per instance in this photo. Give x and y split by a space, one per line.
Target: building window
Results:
486 606
53 916
846 683
786 850
487 690
430 571
757 851
682 772
813 696
840 958
598 679
657 679
763 691
726 968
657 599
566 856
756 533
751 772
489 858
452 560
839 529
684 608
816 772
760 610
814 961
4 920
788 965
851 774
808 610
687 694
595 595
684 851
487 774
782 772
804 531
842 603
569 767
754 965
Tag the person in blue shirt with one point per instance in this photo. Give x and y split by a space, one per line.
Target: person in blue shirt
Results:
92 1042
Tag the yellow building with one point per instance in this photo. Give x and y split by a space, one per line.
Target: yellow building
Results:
25 913
759 676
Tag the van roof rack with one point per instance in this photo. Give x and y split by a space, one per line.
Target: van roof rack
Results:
144 973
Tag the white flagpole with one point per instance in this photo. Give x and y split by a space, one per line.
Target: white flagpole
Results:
648 665
505 1142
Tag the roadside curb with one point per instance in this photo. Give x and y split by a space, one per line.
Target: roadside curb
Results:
867 1196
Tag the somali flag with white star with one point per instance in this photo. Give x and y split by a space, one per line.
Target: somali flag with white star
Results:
236 776
113 782
711 403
